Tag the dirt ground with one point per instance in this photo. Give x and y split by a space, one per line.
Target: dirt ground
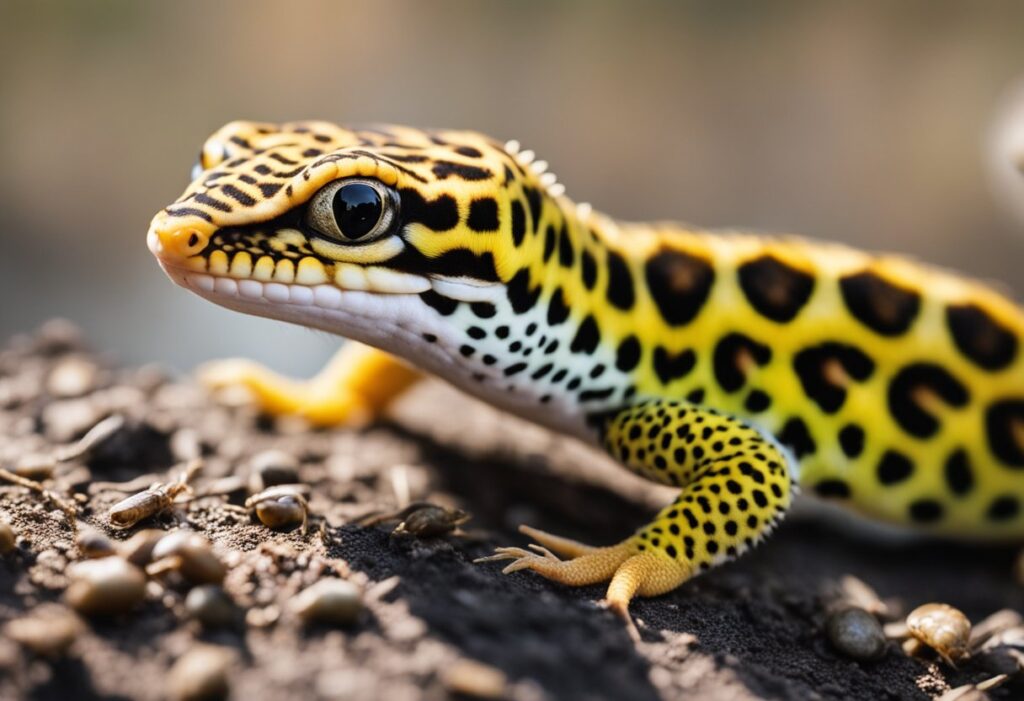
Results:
753 629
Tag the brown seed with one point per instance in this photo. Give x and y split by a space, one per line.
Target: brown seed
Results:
138 549
201 673
106 586
856 634
210 605
190 554
7 538
943 628
48 630
280 512
93 544
329 601
431 520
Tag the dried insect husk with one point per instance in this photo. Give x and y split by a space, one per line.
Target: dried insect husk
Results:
943 628
281 512
191 555
48 630
106 586
431 520
329 601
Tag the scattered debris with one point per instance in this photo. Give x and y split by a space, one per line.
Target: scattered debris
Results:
856 633
159 497
330 601
106 586
201 674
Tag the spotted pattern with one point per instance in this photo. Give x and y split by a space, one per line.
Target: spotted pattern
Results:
882 306
774 288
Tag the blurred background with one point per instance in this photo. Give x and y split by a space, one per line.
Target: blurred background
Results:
862 122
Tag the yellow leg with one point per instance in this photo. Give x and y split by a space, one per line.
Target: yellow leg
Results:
353 388
735 487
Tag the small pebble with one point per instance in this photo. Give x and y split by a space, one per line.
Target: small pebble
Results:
72 377
106 586
856 633
210 605
280 512
329 601
138 549
7 538
943 628
273 467
201 673
476 679
48 630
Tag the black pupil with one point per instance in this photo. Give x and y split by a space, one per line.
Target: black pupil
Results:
357 209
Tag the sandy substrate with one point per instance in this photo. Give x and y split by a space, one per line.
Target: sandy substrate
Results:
753 629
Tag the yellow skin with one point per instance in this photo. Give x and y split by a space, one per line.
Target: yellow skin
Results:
692 357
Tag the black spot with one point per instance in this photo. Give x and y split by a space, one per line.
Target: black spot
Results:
467 350
540 372
501 332
514 369
549 242
883 307
444 305
455 262
726 360
238 196
695 396
832 488
468 152
957 470
671 367
440 214
1004 426
587 337
620 282
903 396
679 284
430 338
484 310
775 289
627 356
894 467
443 169
980 337
268 190
483 215
596 394
520 295
518 222
926 511
558 312
1003 508
534 202
811 367
476 332
203 198
589 269
757 401
566 254
796 437
851 440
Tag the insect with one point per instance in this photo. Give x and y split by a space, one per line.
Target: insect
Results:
421 519
159 497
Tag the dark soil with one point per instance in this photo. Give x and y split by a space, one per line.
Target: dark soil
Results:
752 629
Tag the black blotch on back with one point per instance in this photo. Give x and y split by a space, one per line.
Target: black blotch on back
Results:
1003 508
926 511
549 242
483 215
903 396
440 214
851 440
726 359
620 282
679 284
797 437
894 467
776 290
468 152
832 489
534 202
980 337
670 366
443 169
587 337
588 267
958 473
1004 426
810 366
518 222
566 254
883 307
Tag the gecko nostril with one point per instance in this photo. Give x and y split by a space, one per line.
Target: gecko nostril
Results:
193 239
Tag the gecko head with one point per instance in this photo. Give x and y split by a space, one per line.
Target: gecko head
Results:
297 220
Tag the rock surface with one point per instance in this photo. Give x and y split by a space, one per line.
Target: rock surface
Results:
432 625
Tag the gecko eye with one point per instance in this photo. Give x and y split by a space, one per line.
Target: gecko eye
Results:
353 210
